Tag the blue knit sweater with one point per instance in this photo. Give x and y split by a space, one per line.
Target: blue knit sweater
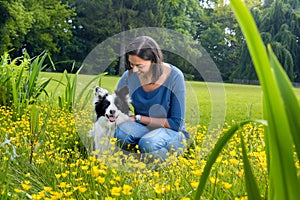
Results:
167 101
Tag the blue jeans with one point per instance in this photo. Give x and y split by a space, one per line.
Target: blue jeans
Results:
157 142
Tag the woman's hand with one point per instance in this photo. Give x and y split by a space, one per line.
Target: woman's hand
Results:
131 118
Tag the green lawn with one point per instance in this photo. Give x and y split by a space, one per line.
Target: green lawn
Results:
241 101
53 163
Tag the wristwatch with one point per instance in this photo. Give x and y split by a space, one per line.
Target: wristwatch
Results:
138 118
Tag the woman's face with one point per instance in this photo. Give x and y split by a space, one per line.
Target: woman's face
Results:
140 66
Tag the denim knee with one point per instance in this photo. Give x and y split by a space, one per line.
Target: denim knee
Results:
147 145
129 133
161 138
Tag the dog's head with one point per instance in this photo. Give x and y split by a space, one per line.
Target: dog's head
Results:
113 105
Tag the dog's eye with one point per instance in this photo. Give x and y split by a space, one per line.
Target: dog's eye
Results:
106 104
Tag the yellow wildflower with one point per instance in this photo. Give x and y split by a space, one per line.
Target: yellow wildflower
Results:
57 176
227 185
168 188
109 198
115 191
82 189
194 184
47 189
62 185
198 172
127 189
84 167
100 179
159 189
18 190
214 180
26 185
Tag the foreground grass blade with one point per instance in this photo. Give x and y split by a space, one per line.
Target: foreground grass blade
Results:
34 128
251 184
35 69
289 98
214 155
282 171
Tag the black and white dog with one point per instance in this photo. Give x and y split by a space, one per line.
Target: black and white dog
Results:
111 110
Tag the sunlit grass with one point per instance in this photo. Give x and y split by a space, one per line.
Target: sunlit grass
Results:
281 110
61 169
45 152
242 101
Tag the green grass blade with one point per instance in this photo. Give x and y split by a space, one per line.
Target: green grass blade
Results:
68 89
19 78
289 98
33 73
223 140
78 99
100 79
74 88
34 120
282 171
42 87
251 184
35 70
282 174
88 85
56 89
15 94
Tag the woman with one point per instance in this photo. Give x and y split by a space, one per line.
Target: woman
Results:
157 92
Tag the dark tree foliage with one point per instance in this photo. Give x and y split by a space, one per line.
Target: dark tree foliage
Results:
279 25
70 29
35 26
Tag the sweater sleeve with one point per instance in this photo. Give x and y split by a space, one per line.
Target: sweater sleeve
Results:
177 104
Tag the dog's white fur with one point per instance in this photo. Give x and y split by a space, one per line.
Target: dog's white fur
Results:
104 129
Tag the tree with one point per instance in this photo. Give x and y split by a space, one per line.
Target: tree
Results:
15 23
279 25
98 20
34 25
220 35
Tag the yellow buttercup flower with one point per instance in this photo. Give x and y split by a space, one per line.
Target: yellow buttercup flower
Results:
227 185
100 179
194 184
18 190
25 186
82 189
159 188
127 189
214 180
115 191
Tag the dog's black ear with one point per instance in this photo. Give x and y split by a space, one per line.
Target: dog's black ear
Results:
101 93
122 92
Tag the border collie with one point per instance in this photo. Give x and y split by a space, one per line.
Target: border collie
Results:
111 110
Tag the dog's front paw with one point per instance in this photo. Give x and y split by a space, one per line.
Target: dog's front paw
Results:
100 92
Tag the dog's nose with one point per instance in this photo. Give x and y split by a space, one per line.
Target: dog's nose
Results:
112 112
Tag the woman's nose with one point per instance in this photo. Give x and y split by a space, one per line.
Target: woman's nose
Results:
134 69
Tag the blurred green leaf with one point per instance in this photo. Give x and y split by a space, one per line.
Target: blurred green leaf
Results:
251 184
282 172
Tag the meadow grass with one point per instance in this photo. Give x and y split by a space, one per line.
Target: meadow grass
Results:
281 110
59 169
42 155
242 101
